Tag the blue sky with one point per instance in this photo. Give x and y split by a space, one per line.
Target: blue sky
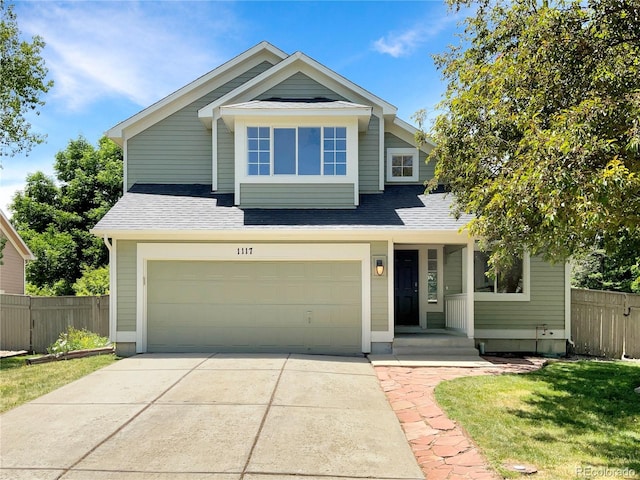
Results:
111 59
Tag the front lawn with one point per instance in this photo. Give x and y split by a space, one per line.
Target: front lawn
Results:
20 383
569 420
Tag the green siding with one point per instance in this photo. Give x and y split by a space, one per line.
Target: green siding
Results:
226 165
126 285
379 294
546 304
426 169
299 85
368 157
296 195
452 270
435 320
177 149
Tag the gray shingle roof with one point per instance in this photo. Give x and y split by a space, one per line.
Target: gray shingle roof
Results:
167 208
293 105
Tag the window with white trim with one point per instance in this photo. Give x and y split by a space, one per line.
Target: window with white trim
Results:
432 275
297 151
402 165
511 283
259 149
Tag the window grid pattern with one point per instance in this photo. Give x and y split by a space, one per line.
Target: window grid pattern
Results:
402 166
335 151
259 150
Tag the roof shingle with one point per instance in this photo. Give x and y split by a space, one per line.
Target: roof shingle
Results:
170 208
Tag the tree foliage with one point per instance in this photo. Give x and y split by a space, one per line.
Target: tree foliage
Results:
540 135
617 270
54 216
3 243
94 281
22 83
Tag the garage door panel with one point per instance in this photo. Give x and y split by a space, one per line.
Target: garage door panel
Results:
306 307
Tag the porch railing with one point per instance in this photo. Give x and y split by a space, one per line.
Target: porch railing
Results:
456 312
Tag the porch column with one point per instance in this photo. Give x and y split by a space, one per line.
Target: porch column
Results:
470 287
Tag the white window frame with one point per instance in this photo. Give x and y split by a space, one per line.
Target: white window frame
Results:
524 296
272 146
416 164
241 150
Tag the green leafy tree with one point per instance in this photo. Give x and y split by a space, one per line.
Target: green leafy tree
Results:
618 270
54 216
3 242
94 281
22 83
540 135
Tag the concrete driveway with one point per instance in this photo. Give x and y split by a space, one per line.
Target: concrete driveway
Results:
222 417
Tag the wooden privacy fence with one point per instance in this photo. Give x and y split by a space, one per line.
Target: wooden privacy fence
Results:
605 323
34 323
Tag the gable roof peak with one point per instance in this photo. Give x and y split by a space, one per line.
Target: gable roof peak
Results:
14 237
195 89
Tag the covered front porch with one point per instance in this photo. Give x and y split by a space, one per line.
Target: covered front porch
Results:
433 287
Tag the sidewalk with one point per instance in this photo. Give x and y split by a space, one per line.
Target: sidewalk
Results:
442 448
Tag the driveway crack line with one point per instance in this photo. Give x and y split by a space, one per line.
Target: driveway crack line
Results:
121 427
264 418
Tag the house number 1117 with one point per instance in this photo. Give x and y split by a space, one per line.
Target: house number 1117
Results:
245 251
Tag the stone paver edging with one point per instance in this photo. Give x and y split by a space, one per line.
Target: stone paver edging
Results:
442 448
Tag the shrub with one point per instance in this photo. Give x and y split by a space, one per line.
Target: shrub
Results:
74 339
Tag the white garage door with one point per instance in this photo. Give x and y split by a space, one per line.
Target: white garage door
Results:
227 306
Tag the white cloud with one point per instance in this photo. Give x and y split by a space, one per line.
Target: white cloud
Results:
398 45
403 44
126 49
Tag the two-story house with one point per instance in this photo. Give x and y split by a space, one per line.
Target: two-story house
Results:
273 205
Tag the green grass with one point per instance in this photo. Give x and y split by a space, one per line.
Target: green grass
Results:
563 417
21 383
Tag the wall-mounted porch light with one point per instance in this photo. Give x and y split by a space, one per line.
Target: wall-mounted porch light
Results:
379 265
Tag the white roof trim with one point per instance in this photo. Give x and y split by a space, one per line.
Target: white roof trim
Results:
264 51
406 132
15 239
257 108
280 72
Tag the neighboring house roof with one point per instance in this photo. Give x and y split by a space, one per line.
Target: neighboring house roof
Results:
194 209
8 231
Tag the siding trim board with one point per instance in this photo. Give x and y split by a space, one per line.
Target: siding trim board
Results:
251 253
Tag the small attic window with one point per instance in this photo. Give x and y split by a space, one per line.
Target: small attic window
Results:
402 165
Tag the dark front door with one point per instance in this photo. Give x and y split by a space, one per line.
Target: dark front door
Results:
406 287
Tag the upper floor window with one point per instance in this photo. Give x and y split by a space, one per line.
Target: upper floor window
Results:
507 284
258 148
297 150
402 165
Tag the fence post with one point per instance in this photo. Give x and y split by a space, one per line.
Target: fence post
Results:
31 326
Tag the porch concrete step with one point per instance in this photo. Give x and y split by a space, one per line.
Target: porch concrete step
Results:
436 344
437 351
